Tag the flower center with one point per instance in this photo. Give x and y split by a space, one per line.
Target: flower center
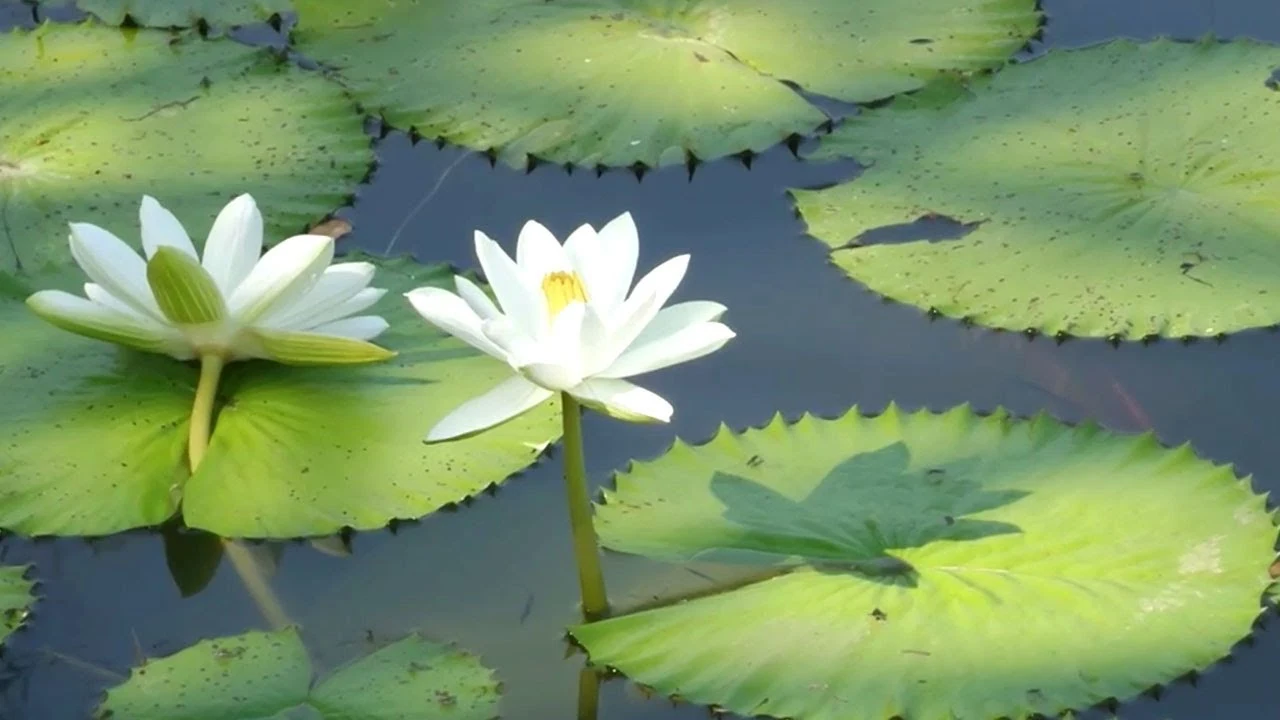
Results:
562 289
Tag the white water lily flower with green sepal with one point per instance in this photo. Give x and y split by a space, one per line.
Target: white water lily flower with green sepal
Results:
564 321
288 305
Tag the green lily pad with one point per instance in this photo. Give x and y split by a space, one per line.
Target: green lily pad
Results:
96 117
15 599
95 435
183 13
935 567
261 675
620 82
1123 190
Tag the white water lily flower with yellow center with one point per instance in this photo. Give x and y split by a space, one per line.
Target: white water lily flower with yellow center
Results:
289 305
564 321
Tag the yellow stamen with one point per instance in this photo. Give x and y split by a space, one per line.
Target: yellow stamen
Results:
562 289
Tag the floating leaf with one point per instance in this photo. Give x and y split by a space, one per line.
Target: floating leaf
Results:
619 82
96 117
268 675
15 599
1122 190
95 436
181 13
935 567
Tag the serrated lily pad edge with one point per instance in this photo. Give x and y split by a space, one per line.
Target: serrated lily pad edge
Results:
1269 600
961 82
792 142
130 22
294 633
22 583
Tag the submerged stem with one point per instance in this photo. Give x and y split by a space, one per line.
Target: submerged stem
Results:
588 694
246 566
202 411
595 602
256 584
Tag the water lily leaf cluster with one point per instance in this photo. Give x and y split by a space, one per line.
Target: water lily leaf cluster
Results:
182 13
98 434
268 674
15 599
1124 190
899 551
97 117
621 82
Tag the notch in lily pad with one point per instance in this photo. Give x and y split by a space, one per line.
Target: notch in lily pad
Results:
1101 213
269 674
893 553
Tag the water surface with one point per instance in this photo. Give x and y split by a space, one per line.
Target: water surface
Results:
496 576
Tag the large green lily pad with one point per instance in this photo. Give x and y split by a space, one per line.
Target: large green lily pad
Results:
268 675
620 82
183 13
935 567
15 599
1124 190
95 436
96 117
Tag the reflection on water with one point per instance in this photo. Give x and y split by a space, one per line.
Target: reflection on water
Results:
496 576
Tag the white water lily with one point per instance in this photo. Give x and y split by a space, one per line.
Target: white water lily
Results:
565 323
289 305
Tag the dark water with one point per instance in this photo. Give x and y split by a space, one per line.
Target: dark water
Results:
497 577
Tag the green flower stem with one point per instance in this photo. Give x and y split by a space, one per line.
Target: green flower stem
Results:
588 694
202 413
255 581
595 602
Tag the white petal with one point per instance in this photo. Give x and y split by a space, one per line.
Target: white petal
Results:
586 255
562 368
364 327
520 349
91 319
476 298
109 262
99 294
511 398
337 284
453 315
671 320
538 253
565 337
523 303
357 303
687 344
552 376
623 400
594 347
234 244
161 228
620 247
283 276
651 293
